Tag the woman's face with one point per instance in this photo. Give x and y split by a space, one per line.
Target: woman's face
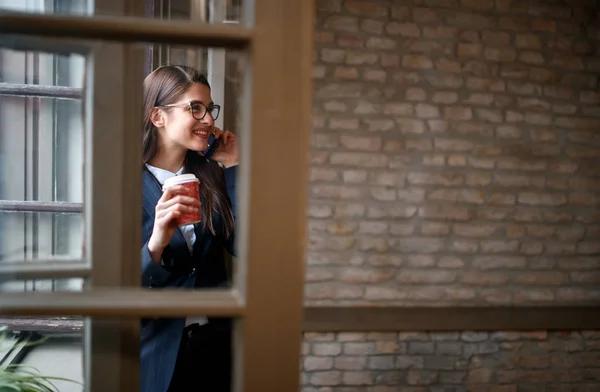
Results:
178 129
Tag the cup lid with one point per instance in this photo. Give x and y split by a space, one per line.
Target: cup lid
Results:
180 179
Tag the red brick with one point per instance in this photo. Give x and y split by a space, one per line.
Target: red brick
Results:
425 15
372 26
470 20
380 43
349 41
543 25
531 57
484 84
403 29
375 75
458 113
325 378
478 4
415 94
484 279
543 278
470 50
345 73
350 363
445 97
366 8
500 54
416 61
528 41
445 212
317 363
495 38
400 12
439 32
499 262
344 23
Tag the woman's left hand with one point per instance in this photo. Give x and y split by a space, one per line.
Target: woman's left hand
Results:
227 152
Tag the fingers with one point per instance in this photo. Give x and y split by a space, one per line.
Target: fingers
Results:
225 135
167 218
217 132
229 136
167 194
176 209
180 199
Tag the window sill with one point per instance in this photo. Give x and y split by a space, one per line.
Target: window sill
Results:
44 325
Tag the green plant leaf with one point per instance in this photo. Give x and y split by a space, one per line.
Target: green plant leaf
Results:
26 378
8 386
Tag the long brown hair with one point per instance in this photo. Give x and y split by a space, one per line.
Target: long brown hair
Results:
164 86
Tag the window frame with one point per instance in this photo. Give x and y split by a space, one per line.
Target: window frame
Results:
268 297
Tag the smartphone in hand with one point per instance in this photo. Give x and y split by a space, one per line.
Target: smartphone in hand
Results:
213 144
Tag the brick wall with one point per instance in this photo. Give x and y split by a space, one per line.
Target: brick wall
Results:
452 362
454 159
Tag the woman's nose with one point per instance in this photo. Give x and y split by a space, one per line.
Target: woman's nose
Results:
208 119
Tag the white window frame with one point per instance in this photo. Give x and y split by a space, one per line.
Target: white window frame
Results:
268 295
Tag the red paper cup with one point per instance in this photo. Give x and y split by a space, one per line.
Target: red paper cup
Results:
189 187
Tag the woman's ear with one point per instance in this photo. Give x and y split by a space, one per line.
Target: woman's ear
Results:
157 117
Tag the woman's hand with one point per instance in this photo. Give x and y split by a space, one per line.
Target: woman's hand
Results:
227 152
167 212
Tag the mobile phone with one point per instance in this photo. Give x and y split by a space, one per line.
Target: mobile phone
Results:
213 143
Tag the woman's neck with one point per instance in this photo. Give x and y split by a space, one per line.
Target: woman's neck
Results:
170 162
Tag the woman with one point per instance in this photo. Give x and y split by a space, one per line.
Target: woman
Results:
192 354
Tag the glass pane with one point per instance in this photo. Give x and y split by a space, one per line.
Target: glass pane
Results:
45 69
34 348
40 235
213 11
41 164
76 7
45 285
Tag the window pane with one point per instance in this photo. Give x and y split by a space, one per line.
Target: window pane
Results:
46 69
50 347
77 7
214 11
45 285
40 235
41 163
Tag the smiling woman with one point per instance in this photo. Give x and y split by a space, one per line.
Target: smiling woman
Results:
179 118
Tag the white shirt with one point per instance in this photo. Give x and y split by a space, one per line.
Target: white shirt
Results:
188 230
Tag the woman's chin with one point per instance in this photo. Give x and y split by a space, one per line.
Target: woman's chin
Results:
198 146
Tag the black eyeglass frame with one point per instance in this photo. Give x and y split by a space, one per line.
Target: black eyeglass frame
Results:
189 105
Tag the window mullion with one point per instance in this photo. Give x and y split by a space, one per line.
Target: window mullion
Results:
115 72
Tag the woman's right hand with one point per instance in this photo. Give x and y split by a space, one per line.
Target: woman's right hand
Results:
167 212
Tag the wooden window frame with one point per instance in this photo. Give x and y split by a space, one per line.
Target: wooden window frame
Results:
268 296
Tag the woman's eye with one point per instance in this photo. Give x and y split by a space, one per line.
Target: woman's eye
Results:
196 108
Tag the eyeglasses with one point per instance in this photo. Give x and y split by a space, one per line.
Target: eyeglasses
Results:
198 109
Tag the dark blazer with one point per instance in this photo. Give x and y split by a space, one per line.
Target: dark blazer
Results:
203 267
